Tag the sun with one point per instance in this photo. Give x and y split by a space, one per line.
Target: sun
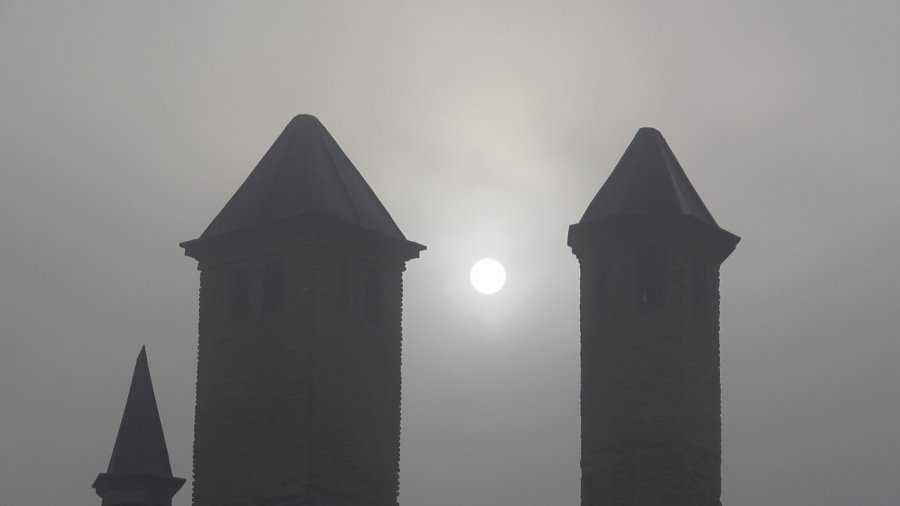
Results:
488 276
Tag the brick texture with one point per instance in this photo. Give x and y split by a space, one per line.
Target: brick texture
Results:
298 403
650 388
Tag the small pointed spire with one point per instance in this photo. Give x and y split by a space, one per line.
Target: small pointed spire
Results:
140 459
140 446
648 181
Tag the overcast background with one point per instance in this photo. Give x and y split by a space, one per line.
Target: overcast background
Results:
485 128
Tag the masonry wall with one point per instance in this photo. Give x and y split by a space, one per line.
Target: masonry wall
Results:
356 416
301 401
254 387
650 400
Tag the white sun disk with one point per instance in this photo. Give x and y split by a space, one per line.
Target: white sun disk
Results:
488 276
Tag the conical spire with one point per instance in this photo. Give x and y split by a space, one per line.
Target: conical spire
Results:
140 446
139 466
648 180
304 171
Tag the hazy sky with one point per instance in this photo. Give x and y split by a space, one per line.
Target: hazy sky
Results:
485 128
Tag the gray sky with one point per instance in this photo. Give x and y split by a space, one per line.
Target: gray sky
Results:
485 128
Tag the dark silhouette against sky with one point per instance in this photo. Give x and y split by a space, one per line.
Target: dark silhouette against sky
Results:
140 455
485 129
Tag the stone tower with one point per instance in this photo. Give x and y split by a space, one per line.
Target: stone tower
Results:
298 377
650 253
139 473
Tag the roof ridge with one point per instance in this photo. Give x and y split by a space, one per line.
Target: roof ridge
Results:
672 166
628 176
273 184
340 173
688 187
679 199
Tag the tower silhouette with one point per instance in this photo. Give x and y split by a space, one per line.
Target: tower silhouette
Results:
298 378
139 472
650 252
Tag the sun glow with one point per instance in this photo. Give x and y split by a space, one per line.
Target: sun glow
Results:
488 276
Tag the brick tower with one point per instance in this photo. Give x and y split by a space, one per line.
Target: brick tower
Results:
650 392
298 377
139 473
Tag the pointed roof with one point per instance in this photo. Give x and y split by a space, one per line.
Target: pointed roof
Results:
648 180
140 445
304 171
